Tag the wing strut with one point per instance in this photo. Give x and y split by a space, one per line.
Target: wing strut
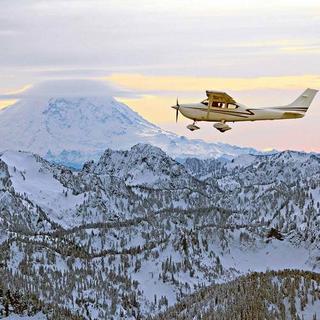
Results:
208 111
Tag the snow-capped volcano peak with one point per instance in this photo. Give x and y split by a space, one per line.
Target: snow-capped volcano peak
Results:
73 121
93 121
84 111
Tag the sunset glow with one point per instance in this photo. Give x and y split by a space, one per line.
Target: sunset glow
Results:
188 83
261 53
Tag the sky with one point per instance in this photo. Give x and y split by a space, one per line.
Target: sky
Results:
261 52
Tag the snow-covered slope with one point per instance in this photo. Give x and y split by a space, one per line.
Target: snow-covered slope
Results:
289 294
74 128
137 230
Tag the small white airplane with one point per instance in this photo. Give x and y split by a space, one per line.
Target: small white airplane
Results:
221 108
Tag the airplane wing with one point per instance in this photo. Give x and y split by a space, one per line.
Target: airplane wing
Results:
219 96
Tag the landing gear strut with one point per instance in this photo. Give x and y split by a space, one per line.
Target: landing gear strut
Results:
193 126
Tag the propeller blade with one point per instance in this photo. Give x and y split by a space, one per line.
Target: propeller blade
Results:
177 113
178 105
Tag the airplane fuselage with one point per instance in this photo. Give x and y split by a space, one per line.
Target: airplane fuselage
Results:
199 112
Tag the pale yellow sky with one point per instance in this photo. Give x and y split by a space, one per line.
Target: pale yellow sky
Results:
142 82
154 107
300 134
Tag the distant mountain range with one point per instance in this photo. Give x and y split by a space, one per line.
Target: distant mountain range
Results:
136 231
77 128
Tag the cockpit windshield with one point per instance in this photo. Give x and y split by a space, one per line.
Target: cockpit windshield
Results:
219 104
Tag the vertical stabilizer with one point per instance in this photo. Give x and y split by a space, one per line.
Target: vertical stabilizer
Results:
305 99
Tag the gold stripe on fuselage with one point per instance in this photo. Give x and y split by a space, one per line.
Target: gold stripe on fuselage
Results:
240 114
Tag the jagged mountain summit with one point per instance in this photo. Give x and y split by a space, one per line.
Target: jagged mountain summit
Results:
72 122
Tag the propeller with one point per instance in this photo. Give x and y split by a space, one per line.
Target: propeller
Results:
177 112
177 106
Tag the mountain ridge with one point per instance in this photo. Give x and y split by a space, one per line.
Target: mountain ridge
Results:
141 245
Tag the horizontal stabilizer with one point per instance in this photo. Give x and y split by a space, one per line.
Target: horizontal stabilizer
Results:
294 115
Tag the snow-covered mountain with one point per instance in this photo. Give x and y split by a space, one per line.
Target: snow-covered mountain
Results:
136 231
73 128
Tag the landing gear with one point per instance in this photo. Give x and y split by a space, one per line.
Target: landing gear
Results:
193 126
222 126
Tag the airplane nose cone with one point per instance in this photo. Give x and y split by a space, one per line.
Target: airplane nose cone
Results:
175 107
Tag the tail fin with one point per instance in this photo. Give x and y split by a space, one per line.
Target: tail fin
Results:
304 100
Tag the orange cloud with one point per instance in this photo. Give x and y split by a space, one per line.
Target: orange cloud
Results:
7 103
20 90
187 83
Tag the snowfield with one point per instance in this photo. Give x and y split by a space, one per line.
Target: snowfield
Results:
135 231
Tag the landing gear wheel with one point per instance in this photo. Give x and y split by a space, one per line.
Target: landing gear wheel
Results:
193 127
222 127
